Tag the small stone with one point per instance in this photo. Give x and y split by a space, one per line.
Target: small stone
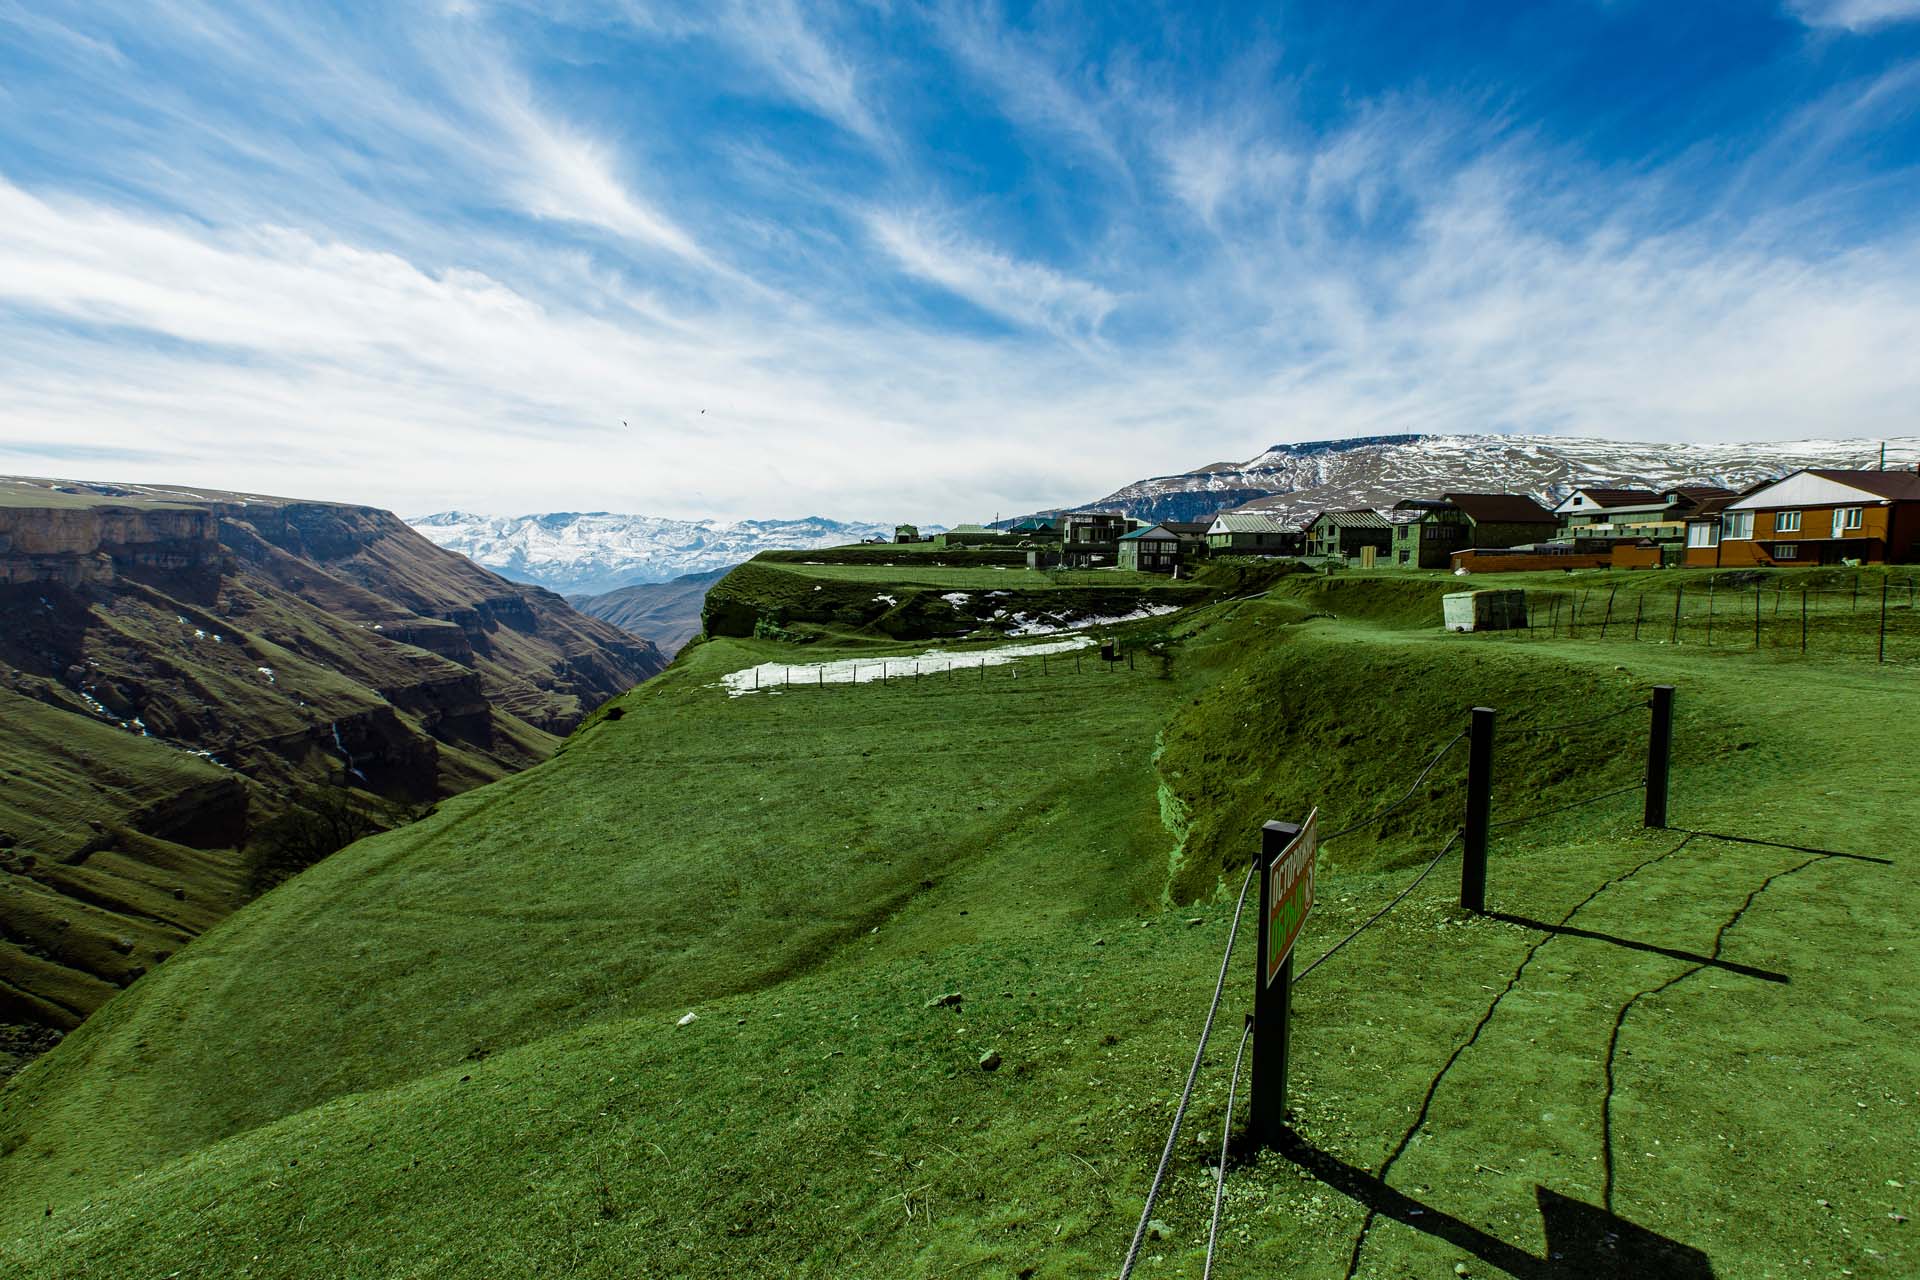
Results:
951 1000
990 1061
1158 1230
1099 942
179 895
1459 1268
1196 920
686 1020
123 945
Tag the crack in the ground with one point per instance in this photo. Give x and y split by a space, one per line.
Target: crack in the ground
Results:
1433 1087
1620 1019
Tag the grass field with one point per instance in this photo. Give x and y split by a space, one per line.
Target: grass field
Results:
459 1048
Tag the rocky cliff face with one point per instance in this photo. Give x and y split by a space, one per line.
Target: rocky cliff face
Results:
274 644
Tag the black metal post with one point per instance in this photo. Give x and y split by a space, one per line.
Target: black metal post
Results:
1756 619
1659 755
1272 1006
1803 622
1883 619
1677 593
1473 861
1639 612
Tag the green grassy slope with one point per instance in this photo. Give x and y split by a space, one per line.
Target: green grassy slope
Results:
456 1049
92 892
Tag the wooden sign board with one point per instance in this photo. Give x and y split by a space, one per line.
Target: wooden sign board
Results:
1290 893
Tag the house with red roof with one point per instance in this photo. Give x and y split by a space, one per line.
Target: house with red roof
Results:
1814 516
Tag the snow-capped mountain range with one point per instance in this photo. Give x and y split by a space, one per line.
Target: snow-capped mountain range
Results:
587 552
1298 480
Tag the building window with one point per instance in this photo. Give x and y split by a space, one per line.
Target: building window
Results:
1737 525
1787 522
1703 534
1847 518
1787 551
1405 556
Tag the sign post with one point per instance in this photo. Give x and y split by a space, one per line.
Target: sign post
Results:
1286 866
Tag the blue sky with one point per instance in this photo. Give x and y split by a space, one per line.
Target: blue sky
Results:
939 260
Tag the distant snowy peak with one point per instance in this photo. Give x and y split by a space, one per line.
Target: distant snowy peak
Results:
1377 471
588 552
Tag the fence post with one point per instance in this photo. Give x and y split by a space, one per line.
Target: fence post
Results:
1608 620
1659 755
1639 612
1709 613
1473 860
1883 619
1803 622
1272 1006
1756 619
1677 593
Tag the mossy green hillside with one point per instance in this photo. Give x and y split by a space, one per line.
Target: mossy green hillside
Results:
457 1048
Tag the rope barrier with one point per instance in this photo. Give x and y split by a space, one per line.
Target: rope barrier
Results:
1390 809
1577 724
1226 1132
1375 917
1193 1074
1544 813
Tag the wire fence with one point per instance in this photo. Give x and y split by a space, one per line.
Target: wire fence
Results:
960 671
1452 842
1871 619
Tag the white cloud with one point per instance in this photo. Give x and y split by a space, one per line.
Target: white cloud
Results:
1029 86
778 37
1027 293
1854 15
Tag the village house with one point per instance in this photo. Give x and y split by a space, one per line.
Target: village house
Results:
1635 514
1253 533
907 533
1428 531
1035 529
1192 535
1155 549
1089 538
1814 517
1348 533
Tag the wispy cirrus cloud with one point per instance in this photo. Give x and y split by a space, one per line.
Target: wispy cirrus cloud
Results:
435 256
1854 15
1028 294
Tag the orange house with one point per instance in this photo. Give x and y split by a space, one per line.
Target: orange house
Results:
1814 517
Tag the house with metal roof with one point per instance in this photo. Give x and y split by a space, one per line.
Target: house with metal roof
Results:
1348 533
1427 531
1253 533
1815 516
1155 549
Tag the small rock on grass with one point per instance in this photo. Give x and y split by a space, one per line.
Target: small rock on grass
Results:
990 1060
689 1018
1158 1230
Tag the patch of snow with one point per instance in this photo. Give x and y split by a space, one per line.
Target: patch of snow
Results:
886 600
198 634
770 677
268 673
1059 624
956 598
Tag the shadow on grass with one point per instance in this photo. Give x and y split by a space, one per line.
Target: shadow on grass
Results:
1673 953
1792 848
1583 1242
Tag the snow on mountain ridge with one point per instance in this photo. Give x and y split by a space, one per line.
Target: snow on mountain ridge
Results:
587 552
1295 480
